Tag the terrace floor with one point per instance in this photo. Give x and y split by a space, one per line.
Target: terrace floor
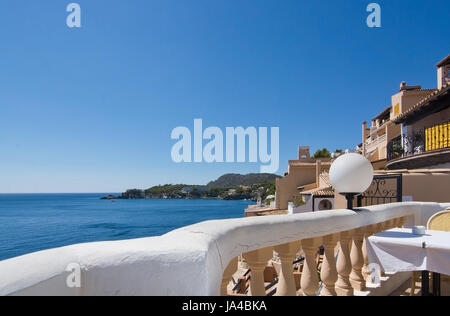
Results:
405 289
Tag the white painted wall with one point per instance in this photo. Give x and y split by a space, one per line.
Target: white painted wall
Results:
187 261
307 207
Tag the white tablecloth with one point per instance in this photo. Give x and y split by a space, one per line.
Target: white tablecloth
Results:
398 250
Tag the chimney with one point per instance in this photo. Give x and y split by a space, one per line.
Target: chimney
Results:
402 85
303 152
365 133
405 87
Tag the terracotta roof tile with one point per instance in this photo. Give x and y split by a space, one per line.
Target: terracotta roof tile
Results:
324 192
420 104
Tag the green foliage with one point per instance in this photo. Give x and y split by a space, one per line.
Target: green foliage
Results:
234 180
181 191
322 153
299 201
241 191
195 193
269 189
133 194
397 150
216 192
164 189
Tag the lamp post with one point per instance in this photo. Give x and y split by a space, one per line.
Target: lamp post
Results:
351 174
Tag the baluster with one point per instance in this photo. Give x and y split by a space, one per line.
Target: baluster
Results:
257 262
286 284
397 222
227 275
310 279
380 227
403 221
370 230
329 273
357 259
383 227
344 266
390 224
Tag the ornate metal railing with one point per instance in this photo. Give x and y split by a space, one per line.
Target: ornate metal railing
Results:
406 145
384 189
435 137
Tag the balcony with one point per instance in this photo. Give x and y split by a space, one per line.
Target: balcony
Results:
376 146
419 150
201 259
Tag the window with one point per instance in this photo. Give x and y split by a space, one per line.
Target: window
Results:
397 109
325 205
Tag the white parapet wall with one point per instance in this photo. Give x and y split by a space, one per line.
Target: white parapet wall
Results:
188 261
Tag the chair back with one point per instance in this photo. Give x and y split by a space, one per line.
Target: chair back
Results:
440 221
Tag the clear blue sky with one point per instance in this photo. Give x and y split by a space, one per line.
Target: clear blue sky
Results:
92 109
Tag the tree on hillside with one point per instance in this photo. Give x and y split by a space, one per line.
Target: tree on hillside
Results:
322 153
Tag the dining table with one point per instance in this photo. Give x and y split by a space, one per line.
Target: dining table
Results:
400 250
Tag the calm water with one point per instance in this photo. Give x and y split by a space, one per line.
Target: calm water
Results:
30 223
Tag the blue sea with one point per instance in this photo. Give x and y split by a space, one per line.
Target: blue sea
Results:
33 222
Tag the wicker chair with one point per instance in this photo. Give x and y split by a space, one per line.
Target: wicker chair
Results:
440 221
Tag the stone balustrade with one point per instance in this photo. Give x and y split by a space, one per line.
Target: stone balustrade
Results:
344 276
201 259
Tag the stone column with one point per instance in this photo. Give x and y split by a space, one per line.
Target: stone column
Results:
370 230
329 273
257 262
357 259
383 227
344 265
310 279
227 276
391 224
286 284
380 227
402 221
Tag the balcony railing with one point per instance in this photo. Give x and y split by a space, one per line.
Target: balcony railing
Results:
437 137
201 259
432 138
372 144
405 145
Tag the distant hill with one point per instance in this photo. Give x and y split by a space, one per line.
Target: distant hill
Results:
234 180
227 187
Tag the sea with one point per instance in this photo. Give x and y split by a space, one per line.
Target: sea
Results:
34 222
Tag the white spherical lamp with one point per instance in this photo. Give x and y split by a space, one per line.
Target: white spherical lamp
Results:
351 174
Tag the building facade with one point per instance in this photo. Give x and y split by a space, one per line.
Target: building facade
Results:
383 129
424 141
304 175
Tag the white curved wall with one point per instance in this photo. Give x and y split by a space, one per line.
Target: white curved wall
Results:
188 261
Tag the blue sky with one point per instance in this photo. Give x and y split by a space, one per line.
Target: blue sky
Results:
92 109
